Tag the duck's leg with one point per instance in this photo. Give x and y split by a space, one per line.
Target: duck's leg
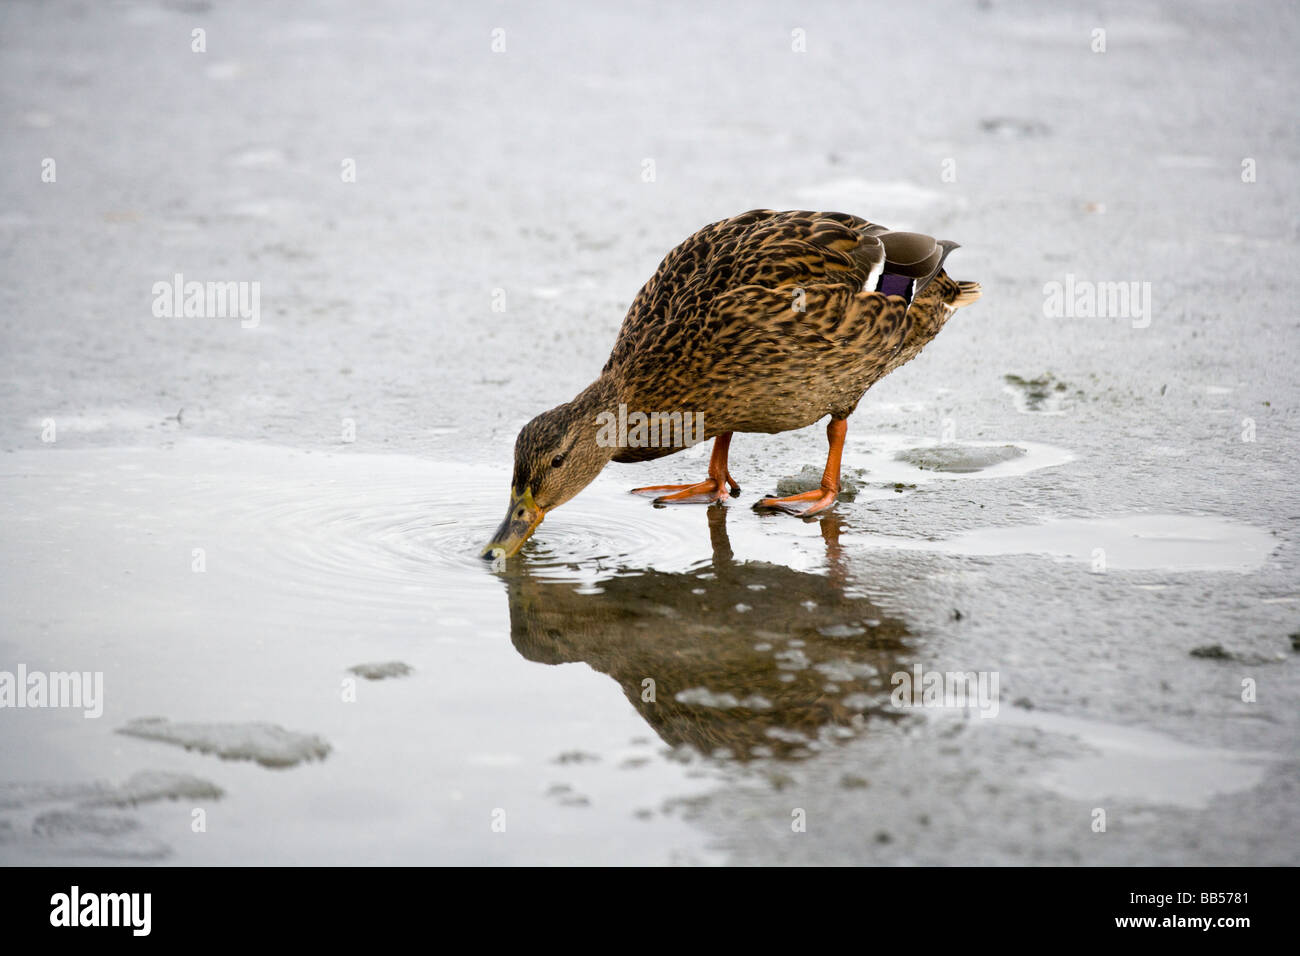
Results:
810 503
713 488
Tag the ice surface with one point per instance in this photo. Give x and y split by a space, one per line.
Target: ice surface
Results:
223 520
1183 543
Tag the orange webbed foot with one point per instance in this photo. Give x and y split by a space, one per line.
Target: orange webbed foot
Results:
709 491
820 500
805 505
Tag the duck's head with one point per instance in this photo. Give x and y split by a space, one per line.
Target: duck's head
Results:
556 455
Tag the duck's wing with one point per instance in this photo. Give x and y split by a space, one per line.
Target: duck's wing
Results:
774 250
764 285
682 266
752 343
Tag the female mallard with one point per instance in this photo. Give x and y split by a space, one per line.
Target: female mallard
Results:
764 322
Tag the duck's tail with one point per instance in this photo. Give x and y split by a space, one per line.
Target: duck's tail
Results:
970 292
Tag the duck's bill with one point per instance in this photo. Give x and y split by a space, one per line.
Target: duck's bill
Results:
521 521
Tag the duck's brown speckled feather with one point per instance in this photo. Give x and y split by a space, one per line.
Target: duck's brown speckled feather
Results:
760 322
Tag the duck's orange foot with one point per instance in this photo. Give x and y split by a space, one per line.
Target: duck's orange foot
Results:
706 492
805 505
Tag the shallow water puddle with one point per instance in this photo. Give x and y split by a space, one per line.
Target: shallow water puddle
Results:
227 591
236 597
239 598
1131 543
1142 766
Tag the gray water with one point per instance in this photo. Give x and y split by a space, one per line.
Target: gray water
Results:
298 644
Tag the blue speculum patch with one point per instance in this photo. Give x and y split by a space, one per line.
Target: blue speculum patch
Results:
891 284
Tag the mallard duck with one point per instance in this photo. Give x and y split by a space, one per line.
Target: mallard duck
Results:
764 322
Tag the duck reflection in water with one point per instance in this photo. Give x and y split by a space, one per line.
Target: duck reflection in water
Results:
733 659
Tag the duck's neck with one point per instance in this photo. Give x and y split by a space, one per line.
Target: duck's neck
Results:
928 317
601 395
588 410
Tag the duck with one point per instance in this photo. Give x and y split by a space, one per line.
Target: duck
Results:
761 323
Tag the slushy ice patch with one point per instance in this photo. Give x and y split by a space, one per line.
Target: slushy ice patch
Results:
960 459
267 744
84 833
381 670
152 785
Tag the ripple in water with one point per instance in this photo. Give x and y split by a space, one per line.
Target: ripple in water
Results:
394 534
403 536
397 531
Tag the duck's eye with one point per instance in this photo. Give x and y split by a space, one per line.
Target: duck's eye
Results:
557 461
